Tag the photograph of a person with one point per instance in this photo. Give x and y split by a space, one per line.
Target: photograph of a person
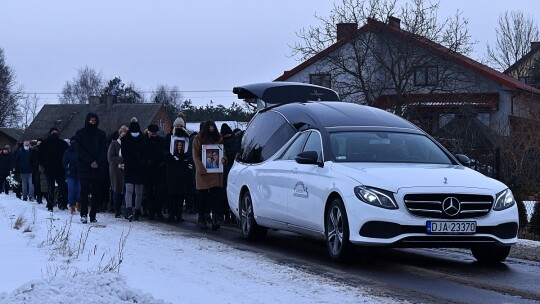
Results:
211 157
175 141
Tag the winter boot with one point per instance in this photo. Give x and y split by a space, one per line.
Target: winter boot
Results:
72 209
117 212
84 220
215 224
137 214
78 206
129 213
179 217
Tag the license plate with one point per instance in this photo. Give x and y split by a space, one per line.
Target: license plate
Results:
451 227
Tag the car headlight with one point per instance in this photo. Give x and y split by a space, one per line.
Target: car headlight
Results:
505 199
376 197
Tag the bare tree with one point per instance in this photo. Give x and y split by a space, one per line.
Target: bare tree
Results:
29 106
9 94
170 98
378 62
515 33
87 83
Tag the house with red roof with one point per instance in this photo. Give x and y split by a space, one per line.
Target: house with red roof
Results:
434 86
523 69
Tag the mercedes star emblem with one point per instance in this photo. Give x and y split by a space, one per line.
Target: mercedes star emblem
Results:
451 206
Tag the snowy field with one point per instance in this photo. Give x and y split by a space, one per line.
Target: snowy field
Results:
48 259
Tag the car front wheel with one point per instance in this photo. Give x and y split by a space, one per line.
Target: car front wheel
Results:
337 231
250 230
490 254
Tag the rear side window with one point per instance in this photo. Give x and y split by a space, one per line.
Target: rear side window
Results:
266 134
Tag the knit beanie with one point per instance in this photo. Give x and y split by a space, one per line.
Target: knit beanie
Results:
179 121
134 126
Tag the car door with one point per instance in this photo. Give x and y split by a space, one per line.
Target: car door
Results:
307 192
273 181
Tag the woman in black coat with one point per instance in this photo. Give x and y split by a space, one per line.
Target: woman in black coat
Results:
179 180
134 155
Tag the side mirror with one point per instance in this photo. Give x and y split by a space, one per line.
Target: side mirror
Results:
463 159
308 158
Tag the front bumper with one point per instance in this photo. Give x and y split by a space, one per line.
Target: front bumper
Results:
374 226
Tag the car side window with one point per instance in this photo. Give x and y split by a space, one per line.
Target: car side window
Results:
313 143
295 147
266 134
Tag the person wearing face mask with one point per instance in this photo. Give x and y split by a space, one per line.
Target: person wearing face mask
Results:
21 165
179 172
91 148
209 185
135 157
51 152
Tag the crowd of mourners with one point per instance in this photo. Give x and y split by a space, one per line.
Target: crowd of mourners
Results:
133 173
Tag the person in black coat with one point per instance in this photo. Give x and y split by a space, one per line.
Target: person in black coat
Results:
36 175
231 145
69 161
154 182
179 180
5 167
92 167
134 154
51 152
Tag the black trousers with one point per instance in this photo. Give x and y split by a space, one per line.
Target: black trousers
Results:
209 201
4 185
154 194
62 190
176 204
94 188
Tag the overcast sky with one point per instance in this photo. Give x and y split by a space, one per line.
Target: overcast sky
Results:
210 45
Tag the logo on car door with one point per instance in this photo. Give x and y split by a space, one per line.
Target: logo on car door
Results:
300 190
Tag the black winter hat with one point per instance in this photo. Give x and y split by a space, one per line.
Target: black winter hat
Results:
53 129
153 128
134 125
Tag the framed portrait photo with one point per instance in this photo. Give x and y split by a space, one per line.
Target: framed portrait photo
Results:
211 158
176 141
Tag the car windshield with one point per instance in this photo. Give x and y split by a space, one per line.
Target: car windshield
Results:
386 147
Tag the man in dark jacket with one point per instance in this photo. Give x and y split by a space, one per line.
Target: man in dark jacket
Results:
51 152
36 178
5 167
154 182
91 147
21 165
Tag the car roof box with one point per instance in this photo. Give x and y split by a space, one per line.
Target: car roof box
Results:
274 93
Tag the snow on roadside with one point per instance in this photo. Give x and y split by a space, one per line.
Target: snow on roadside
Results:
59 261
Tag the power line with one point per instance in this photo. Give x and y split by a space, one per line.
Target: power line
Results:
175 91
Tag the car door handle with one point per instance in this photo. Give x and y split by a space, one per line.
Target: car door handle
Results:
295 170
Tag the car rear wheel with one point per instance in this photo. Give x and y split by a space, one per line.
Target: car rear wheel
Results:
490 254
337 231
250 230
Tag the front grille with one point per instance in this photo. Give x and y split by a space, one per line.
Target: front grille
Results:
431 205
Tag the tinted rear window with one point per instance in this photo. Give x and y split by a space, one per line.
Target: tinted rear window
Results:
266 134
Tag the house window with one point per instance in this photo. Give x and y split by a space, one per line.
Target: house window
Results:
426 76
322 80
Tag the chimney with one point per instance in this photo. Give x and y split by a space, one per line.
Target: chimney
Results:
346 30
534 44
93 101
394 22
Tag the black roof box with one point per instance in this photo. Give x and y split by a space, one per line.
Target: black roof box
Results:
284 92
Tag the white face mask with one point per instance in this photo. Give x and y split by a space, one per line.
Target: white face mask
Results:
135 134
26 148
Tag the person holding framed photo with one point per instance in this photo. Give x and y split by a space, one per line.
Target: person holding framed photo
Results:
208 178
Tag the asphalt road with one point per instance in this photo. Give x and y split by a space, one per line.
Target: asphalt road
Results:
414 275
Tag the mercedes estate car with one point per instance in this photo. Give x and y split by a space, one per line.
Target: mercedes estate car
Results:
357 175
